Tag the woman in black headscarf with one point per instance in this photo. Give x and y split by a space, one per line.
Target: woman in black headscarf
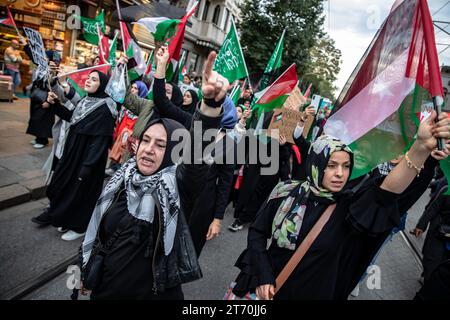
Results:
359 223
190 101
78 177
41 118
138 225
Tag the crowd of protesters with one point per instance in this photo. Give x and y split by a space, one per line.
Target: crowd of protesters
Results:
145 228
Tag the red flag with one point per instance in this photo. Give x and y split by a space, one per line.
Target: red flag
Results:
8 21
308 91
103 46
177 41
78 78
397 76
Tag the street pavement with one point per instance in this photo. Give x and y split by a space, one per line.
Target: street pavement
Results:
27 250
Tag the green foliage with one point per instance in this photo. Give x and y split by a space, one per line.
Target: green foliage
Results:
306 43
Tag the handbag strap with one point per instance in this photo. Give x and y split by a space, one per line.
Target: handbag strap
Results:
304 247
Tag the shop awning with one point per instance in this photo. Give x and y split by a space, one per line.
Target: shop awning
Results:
154 9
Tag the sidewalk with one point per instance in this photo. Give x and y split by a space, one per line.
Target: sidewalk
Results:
21 177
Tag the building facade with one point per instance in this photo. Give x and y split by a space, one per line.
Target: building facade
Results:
207 30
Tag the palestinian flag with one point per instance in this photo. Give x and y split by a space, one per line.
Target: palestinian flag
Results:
8 20
176 43
275 96
103 46
161 28
136 61
77 78
376 112
90 31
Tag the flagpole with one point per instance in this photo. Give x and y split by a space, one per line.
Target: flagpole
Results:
14 22
242 54
119 14
438 108
81 70
120 23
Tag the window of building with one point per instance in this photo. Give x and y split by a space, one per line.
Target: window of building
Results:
205 11
193 60
226 20
216 15
197 12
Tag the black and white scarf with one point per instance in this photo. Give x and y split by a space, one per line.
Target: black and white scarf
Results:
141 194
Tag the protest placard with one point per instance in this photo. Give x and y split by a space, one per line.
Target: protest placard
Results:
284 121
295 100
38 51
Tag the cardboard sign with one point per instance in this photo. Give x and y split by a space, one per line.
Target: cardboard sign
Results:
38 52
284 121
295 100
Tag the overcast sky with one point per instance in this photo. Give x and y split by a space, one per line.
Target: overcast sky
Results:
353 24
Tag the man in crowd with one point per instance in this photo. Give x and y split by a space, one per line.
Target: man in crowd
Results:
13 59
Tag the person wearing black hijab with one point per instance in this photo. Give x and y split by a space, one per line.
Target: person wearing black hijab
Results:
41 118
359 222
190 101
83 149
139 222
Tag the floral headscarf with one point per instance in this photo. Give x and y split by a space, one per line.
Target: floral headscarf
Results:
289 217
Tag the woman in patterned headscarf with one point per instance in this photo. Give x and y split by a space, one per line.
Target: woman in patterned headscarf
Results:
359 224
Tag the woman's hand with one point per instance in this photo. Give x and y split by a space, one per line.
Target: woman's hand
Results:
441 155
418 232
247 113
310 111
45 105
51 97
123 60
214 86
84 291
214 229
429 132
162 56
283 139
265 292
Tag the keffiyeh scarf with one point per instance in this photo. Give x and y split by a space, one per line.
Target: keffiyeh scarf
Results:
142 191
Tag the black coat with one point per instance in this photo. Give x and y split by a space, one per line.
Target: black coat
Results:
84 156
434 251
136 266
340 255
213 199
41 119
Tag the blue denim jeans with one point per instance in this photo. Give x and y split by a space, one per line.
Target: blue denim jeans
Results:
15 77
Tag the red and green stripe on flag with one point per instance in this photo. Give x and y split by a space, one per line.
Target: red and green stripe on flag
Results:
78 78
277 93
399 73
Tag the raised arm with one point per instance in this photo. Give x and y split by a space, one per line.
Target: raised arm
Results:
409 168
192 173
164 106
136 104
57 108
